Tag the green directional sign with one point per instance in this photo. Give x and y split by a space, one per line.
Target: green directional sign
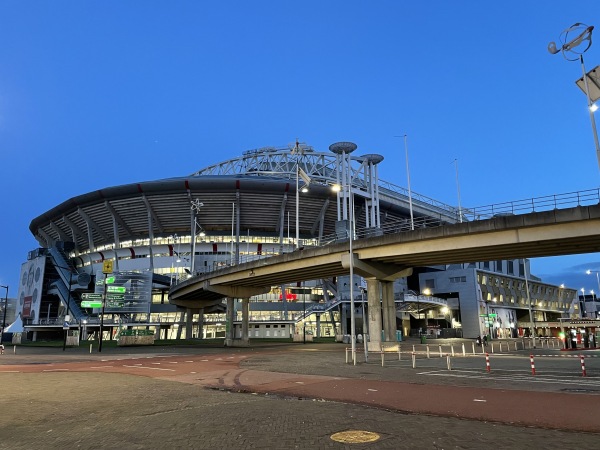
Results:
115 297
91 304
110 280
117 289
96 297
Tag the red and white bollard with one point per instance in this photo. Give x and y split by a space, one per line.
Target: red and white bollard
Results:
532 365
487 362
583 373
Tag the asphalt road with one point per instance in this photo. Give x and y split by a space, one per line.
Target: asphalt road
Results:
294 396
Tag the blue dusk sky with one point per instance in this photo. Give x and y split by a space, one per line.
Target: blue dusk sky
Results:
102 93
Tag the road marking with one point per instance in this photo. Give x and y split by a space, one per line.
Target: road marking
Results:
101 367
10 371
479 400
151 368
372 390
55 370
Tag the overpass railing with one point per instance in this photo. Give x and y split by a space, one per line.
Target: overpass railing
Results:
537 204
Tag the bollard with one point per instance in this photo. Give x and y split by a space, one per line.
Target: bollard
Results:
487 362
399 353
532 365
448 362
463 349
482 348
492 347
14 349
382 357
452 349
440 347
91 349
515 346
427 351
473 344
414 360
346 355
583 373
413 348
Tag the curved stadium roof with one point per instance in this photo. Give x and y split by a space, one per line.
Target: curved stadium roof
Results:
262 180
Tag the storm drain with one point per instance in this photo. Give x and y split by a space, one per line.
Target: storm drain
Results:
355 437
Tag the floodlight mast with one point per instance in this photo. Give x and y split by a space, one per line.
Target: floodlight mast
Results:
571 47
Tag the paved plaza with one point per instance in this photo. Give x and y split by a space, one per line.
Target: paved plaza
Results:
294 396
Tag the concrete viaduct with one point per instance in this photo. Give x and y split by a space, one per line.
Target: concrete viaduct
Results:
382 259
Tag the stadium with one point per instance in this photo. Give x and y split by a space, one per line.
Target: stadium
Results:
266 202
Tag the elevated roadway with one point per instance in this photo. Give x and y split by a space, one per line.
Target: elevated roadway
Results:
385 258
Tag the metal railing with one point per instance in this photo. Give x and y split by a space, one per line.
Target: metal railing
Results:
518 207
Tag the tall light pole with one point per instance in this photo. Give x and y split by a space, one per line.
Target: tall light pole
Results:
531 323
571 52
299 152
4 315
460 217
195 207
337 188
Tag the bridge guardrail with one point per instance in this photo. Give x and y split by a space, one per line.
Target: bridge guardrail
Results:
537 204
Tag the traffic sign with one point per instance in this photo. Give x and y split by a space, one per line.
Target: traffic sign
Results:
91 304
110 280
87 296
114 297
115 304
107 266
117 289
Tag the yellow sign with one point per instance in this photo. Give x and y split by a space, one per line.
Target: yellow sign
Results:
107 266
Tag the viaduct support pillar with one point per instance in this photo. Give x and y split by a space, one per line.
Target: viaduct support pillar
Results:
374 314
189 321
245 322
201 323
229 323
389 311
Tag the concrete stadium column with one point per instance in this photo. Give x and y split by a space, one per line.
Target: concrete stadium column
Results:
245 320
201 323
189 321
229 323
389 310
374 314
318 325
344 318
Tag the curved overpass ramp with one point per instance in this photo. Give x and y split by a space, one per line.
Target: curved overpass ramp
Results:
549 233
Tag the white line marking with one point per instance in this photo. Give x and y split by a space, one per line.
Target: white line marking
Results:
55 370
151 368
479 400
101 367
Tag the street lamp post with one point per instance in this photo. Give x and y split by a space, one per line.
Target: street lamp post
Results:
531 322
569 46
4 315
352 318
67 316
351 227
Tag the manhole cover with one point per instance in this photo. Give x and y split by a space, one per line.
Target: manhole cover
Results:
355 437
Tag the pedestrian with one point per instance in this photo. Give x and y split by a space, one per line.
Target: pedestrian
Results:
1 349
484 340
478 340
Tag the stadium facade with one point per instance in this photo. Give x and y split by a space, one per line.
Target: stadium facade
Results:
157 233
